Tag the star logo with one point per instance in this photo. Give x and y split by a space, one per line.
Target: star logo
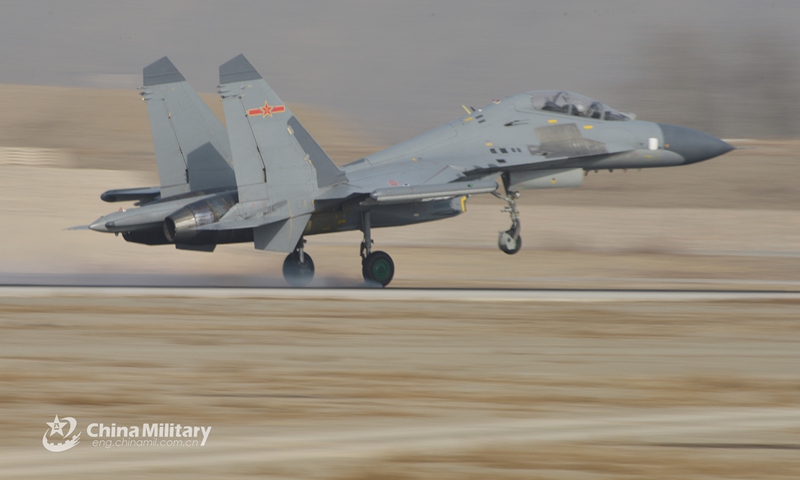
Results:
267 109
57 427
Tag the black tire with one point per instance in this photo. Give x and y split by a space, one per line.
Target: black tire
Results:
510 251
298 274
378 267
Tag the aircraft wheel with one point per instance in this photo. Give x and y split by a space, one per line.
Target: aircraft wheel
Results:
378 267
508 243
297 273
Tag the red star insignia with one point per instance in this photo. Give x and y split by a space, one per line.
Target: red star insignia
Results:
266 110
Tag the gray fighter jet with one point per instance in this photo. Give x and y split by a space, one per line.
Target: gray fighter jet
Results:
265 180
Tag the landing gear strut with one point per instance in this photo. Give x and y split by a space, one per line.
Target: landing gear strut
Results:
298 268
377 267
510 241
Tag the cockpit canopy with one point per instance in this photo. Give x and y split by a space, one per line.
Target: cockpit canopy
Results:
573 104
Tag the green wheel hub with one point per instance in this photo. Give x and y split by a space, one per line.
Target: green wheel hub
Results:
378 267
381 270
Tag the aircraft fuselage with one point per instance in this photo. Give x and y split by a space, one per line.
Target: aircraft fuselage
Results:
265 180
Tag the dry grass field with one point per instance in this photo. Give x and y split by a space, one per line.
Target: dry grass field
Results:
383 389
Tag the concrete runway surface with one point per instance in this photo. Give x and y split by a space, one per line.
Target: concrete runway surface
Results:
405 383
468 295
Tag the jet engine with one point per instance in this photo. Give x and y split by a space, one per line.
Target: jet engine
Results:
182 226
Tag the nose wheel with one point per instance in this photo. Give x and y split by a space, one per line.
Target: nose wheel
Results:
298 268
376 267
510 241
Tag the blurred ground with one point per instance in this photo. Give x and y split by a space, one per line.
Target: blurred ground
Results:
387 389
395 390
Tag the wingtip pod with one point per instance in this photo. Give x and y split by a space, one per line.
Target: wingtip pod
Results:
161 71
237 69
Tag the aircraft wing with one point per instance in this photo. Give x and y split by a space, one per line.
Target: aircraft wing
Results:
250 215
405 172
418 180
429 192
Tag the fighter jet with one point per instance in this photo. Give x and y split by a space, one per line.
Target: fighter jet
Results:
265 179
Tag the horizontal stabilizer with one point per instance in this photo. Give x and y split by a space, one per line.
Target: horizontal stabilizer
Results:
242 223
280 236
427 192
275 231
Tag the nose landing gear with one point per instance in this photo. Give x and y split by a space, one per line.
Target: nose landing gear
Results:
510 241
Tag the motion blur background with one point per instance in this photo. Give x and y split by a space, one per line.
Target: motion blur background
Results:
728 67
306 384
364 75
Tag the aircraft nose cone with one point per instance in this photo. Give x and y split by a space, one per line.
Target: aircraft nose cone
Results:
694 146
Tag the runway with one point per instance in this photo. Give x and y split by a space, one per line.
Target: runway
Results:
642 432
359 383
468 295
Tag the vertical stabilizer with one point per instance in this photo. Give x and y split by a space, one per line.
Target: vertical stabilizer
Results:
279 167
274 156
191 144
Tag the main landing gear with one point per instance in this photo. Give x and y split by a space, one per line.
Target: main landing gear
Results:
298 268
377 267
510 241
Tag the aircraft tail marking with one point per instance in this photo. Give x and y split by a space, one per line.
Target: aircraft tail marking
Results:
274 155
